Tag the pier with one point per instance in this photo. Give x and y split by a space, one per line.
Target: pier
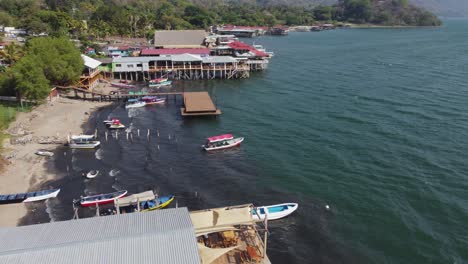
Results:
199 104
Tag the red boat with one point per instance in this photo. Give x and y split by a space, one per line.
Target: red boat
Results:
101 198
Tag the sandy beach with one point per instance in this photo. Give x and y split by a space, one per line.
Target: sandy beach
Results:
24 170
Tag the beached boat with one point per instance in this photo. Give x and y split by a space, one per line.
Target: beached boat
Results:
84 144
28 197
101 198
122 85
135 104
273 212
82 137
92 174
45 153
222 142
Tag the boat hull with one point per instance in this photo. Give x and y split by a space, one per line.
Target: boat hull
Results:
28 197
101 201
161 205
273 212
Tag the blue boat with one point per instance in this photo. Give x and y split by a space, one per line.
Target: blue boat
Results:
28 197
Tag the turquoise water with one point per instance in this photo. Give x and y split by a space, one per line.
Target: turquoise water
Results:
372 122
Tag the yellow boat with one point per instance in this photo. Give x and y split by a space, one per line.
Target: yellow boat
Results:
163 202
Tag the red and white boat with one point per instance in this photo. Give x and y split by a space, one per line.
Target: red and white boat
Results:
222 142
102 198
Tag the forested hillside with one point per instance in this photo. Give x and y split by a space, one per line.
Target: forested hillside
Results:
139 18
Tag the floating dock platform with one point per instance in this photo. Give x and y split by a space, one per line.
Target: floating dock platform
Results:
199 104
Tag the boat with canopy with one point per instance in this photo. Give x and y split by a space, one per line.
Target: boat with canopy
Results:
222 142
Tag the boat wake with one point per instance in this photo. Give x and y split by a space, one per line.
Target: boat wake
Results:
98 154
51 203
114 172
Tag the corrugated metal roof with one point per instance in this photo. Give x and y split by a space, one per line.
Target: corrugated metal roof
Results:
179 37
185 57
149 52
90 62
165 236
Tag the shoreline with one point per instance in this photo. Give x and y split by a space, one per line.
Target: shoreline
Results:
25 170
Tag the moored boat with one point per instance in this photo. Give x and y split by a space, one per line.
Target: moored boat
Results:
110 121
143 202
135 104
122 85
84 144
159 82
92 174
222 142
155 100
273 212
82 137
115 125
28 197
101 198
45 153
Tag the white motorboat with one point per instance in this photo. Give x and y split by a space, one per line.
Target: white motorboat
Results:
115 125
92 174
222 142
135 104
273 212
82 137
45 153
84 144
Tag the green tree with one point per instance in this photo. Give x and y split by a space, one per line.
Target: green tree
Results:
323 13
11 54
29 79
59 59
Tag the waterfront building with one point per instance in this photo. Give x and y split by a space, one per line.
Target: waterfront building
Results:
279 30
164 236
91 73
180 38
244 53
241 31
179 67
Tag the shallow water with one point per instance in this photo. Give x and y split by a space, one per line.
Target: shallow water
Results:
372 122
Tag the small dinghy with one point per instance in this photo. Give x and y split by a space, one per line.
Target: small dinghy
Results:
155 100
143 202
273 212
222 142
151 205
101 198
92 174
110 121
45 153
28 197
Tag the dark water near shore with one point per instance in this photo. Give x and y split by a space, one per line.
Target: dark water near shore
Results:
372 122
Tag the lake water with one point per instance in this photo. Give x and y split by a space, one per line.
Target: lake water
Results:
372 122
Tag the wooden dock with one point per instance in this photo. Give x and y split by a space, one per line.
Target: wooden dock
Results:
199 104
195 103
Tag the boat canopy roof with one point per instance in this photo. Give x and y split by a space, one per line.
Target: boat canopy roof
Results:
134 198
220 138
219 219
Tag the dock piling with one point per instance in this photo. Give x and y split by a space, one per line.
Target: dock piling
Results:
106 136
148 135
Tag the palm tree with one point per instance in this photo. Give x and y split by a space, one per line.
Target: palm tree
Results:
11 54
